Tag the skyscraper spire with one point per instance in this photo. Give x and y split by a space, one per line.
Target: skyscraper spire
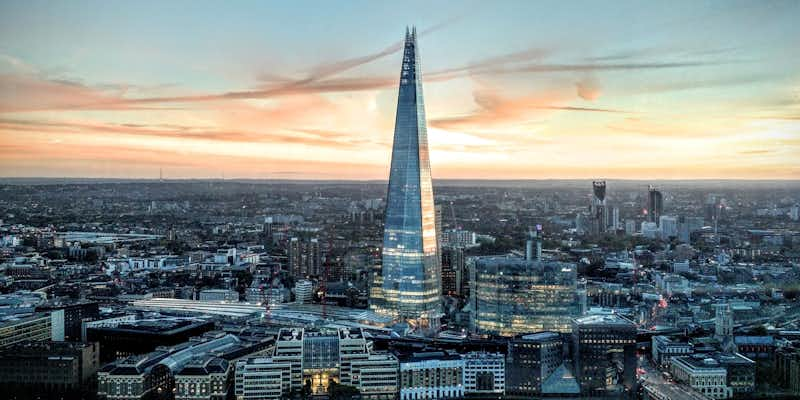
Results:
410 285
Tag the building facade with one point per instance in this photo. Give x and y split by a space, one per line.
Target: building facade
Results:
511 296
530 360
604 353
409 279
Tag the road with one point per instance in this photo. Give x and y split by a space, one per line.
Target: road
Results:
655 385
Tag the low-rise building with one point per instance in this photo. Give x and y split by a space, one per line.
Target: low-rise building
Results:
704 374
46 369
664 348
484 374
431 375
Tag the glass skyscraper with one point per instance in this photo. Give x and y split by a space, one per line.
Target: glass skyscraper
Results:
410 285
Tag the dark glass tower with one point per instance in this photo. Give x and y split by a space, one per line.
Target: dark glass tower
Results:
410 283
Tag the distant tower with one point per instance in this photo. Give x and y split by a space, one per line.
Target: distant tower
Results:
599 217
655 204
161 174
410 275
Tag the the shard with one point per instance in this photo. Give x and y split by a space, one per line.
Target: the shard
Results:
409 286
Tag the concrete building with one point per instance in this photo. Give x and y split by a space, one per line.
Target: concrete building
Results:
46 369
74 315
219 295
484 374
37 327
664 348
703 374
314 358
303 291
431 375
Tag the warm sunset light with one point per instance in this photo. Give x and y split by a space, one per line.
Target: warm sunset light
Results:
513 90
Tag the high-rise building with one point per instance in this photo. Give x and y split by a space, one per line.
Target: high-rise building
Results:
510 296
655 204
599 213
410 281
304 257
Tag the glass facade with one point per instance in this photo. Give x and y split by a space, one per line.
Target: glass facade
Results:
513 296
410 282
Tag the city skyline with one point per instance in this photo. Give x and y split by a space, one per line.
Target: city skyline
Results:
515 90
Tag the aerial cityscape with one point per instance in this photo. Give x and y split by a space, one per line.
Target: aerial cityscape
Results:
625 225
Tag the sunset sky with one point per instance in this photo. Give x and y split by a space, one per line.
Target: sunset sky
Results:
307 90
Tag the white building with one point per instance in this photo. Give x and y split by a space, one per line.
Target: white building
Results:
262 378
459 238
664 348
705 375
484 373
303 290
318 356
431 375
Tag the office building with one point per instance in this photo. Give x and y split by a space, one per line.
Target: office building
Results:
454 262
431 376
703 374
655 204
664 348
47 369
314 358
531 359
510 296
604 353
599 213
128 338
410 282
484 374
74 315
37 327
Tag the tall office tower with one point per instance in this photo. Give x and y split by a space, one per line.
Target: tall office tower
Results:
410 273
599 217
655 204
